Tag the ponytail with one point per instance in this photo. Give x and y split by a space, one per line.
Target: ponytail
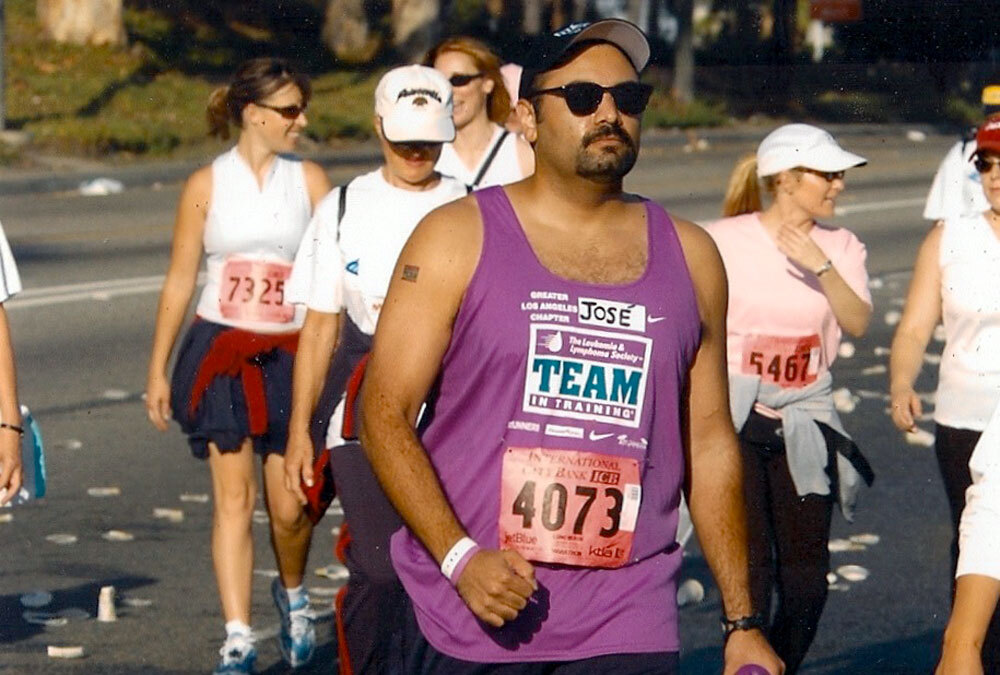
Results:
217 113
743 191
255 80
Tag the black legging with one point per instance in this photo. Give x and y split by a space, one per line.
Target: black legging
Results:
953 448
788 537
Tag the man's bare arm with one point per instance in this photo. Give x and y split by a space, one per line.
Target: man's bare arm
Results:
413 334
715 471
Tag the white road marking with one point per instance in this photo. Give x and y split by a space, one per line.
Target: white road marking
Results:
889 205
103 291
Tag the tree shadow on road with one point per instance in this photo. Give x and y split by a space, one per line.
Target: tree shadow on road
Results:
13 627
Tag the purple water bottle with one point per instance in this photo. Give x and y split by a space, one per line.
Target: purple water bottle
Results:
753 669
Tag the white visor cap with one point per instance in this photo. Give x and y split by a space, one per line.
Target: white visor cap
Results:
802 145
415 105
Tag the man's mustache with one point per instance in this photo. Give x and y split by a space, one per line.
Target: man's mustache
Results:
609 131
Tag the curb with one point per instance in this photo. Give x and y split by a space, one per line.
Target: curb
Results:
172 172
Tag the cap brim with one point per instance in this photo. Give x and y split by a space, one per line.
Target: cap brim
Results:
834 159
401 127
623 34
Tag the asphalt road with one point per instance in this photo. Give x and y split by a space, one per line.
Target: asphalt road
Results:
82 329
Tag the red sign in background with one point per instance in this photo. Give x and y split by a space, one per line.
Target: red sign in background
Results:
835 11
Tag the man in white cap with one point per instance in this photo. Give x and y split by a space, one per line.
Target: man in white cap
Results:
569 340
957 189
341 274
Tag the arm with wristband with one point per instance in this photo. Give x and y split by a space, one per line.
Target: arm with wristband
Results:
714 480
413 334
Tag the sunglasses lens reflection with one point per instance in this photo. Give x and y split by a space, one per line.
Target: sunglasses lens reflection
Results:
986 165
462 80
583 98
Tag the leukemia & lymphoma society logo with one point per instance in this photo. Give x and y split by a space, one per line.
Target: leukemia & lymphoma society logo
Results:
586 374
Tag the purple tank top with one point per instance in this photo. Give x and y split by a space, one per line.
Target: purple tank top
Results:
538 361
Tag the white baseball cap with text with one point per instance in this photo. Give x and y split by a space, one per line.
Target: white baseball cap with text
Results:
415 105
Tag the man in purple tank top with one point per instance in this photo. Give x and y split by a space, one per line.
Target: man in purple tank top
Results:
568 339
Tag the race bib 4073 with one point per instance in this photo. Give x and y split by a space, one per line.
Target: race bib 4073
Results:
569 507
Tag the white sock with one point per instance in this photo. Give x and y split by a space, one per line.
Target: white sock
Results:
296 595
237 626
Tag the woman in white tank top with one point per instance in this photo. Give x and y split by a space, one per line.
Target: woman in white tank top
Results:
483 153
231 386
957 280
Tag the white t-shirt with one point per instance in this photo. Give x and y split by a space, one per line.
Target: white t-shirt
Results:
957 189
979 530
505 167
10 280
352 270
969 379
247 222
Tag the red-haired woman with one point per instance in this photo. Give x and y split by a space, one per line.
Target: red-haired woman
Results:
231 386
483 153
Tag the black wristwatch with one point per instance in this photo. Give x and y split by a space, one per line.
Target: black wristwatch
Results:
743 623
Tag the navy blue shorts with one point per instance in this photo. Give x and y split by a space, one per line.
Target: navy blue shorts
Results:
222 415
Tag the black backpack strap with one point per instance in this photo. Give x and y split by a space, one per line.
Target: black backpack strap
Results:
490 158
341 206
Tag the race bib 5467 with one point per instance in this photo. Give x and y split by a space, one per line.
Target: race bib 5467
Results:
787 361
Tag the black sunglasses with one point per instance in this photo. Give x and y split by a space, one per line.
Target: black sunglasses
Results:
830 176
984 165
460 79
289 112
583 98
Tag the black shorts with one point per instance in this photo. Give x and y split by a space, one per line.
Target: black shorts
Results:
420 658
222 416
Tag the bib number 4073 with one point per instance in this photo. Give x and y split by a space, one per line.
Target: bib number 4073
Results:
569 507
553 507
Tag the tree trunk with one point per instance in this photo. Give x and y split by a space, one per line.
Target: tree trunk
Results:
347 33
532 16
683 88
82 22
415 27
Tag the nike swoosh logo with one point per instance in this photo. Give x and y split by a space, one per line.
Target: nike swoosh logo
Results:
655 319
600 437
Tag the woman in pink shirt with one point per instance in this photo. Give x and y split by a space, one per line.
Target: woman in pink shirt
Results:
794 286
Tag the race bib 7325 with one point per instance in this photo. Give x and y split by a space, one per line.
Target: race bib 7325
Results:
254 290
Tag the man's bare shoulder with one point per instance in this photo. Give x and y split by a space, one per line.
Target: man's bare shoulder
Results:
450 236
699 247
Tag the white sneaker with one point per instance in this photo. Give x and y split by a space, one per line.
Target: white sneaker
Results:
238 655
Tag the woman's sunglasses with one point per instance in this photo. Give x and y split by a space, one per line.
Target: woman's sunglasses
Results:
984 165
289 112
460 80
829 176
583 98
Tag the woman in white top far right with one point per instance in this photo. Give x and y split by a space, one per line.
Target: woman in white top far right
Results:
957 280
483 153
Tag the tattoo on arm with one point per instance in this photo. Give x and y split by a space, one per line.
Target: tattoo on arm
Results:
410 272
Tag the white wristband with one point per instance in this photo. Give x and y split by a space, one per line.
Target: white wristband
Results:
461 548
